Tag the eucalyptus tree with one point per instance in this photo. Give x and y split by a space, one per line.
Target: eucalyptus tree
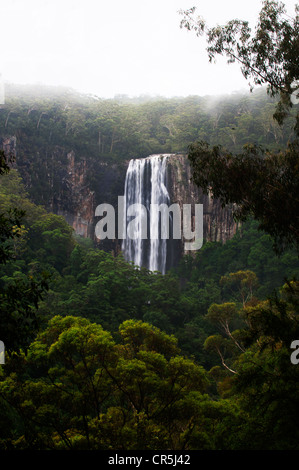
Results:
261 184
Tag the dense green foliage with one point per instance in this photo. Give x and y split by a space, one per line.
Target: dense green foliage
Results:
126 359
104 355
20 289
261 182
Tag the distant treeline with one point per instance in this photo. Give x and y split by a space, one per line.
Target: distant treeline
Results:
123 127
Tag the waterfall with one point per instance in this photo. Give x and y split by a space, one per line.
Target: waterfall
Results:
145 185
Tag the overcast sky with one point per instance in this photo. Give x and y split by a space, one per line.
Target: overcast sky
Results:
109 47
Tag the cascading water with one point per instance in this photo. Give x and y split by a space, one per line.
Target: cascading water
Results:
146 186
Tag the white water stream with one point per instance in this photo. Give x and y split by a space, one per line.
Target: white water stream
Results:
145 186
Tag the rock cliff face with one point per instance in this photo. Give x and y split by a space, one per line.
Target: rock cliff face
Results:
9 145
67 185
218 223
77 202
175 172
74 187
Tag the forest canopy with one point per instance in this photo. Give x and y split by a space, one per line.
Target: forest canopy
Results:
145 358
104 355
